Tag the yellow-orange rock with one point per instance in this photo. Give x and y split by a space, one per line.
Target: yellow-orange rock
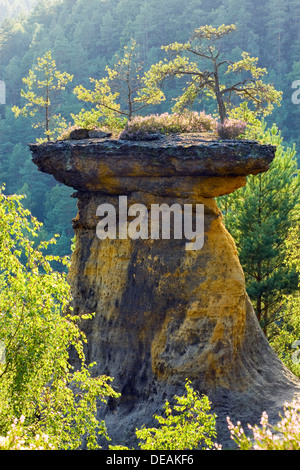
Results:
162 313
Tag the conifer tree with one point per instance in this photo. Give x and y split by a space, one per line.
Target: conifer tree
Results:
121 93
205 47
275 32
259 217
43 82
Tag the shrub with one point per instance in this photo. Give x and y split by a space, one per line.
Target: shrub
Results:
285 435
231 129
146 127
17 438
38 330
188 425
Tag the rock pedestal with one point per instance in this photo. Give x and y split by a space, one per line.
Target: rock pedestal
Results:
164 313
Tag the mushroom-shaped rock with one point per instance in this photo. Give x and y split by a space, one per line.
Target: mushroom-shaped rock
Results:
165 313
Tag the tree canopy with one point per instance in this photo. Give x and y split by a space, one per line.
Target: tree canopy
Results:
205 46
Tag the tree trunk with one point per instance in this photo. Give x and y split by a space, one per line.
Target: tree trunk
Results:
47 113
220 101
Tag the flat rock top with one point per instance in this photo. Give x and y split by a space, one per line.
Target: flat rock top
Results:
191 155
170 141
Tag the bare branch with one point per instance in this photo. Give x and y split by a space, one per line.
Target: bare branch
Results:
115 110
230 62
200 54
234 87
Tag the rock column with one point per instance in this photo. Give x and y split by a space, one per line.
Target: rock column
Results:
164 313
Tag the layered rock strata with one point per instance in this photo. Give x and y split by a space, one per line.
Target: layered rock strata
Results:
164 313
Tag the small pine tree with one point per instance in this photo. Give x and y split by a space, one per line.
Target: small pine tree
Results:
120 94
43 82
245 80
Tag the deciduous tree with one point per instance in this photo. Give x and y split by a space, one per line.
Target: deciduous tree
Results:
38 329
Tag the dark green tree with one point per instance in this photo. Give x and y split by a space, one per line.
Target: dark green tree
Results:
276 33
259 217
60 209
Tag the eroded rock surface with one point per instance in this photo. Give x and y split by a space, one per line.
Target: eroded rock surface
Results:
164 314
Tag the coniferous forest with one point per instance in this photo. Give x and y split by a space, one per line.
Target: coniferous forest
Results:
84 37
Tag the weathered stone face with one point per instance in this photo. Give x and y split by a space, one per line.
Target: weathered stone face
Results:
183 166
162 313
176 305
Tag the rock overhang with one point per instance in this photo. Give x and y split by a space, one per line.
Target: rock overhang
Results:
175 165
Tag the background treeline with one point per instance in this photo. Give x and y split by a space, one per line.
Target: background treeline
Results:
84 36
10 8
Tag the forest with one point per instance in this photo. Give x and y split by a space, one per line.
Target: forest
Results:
85 37
15 8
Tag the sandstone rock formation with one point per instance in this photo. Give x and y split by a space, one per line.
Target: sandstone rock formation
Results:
164 314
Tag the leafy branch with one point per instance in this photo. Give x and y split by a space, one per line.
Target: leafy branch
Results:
206 46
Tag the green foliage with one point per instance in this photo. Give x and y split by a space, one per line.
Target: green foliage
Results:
285 435
187 425
10 8
38 329
43 82
60 208
205 47
121 92
253 89
285 332
17 438
260 216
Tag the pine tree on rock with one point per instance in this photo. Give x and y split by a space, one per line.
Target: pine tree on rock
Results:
206 47
43 82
